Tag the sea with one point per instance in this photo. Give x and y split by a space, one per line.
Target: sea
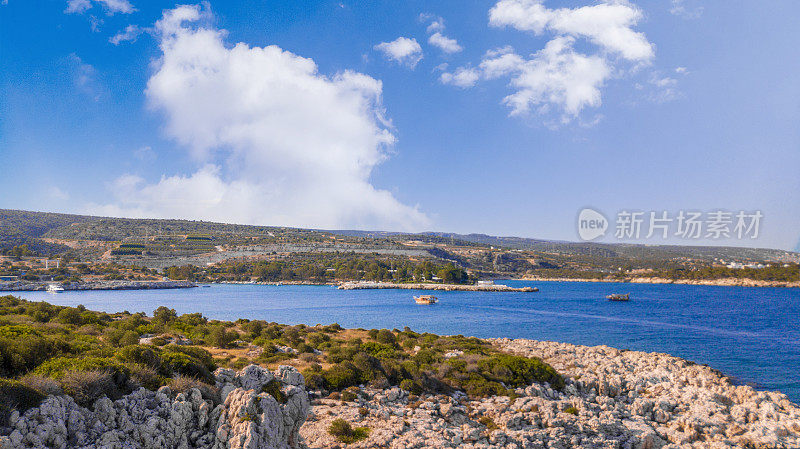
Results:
750 334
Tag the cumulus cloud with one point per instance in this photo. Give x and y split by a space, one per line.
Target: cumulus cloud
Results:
559 78
444 43
436 29
462 77
403 50
556 75
607 24
277 141
110 6
129 34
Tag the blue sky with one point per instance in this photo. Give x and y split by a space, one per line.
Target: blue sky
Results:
516 116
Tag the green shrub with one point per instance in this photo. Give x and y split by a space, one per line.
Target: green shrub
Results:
488 422
572 410
341 376
145 376
129 338
515 371
57 368
16 395
219 337
345 433
386 337
70 315
23 348
180 363
314 380
195 352
273 388
349 396
141 354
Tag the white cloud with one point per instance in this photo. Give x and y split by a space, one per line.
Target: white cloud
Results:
462 77
687 9
84 77
556 75
111 6
277 142
402 50
145 154
77 6
559 79
501 62
57 194
607 24
444 43
664 88
129 34
681 70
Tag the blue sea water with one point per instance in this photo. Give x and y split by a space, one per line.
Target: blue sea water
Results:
751 334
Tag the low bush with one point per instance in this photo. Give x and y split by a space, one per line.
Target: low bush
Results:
86 387
345 433
273 388
16 395
182 384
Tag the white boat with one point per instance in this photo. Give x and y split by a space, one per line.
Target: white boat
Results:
54 288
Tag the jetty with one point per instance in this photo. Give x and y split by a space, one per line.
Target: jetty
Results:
433 286
25 286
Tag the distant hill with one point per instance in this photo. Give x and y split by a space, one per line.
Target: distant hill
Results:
592 249
18 227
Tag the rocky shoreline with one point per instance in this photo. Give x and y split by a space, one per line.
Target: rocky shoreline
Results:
432 286
25 286
613 399
724 282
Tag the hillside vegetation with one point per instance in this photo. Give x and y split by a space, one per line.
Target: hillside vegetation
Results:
48 349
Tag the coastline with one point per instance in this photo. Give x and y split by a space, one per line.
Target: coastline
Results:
723 282
22 286
431 286
612 398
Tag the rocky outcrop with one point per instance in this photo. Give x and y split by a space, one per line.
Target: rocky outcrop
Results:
613 399
247 417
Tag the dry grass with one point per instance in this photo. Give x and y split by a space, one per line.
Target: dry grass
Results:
42 384
182 384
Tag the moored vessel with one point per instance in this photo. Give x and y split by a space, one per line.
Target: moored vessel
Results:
619 297
425 299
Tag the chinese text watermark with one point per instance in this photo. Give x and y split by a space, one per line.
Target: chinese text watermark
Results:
690 225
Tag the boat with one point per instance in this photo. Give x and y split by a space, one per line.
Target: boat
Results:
619 297
54 288
425 299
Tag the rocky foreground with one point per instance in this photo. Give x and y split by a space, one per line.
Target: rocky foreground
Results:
613 399
247 418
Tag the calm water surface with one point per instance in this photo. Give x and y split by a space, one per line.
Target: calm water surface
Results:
752 334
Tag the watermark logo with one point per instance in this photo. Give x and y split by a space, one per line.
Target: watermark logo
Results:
690 225
591 224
